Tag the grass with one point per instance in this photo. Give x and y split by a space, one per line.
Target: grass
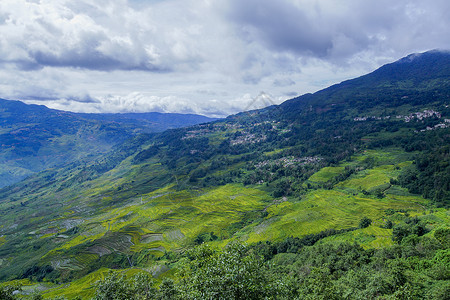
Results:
387 156
323 209
325 174
82 287
123 217
176 218
370 179
276 151
370 237
344 205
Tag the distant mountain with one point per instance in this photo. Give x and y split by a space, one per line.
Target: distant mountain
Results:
151 121
417 79
34 138
372 149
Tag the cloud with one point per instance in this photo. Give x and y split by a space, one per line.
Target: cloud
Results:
335 30
282 82
137 102
280 25
87 35
201 56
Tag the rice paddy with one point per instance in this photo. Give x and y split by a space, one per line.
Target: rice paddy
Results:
147 225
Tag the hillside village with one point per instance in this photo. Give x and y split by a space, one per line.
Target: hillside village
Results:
417 116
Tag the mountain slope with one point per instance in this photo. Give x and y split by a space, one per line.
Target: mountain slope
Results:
415 80
152 121
34 138
362 148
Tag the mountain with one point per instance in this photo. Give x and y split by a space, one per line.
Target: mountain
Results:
34 138
151 121
362 162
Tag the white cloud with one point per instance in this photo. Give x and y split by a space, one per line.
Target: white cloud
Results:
137 102
208 57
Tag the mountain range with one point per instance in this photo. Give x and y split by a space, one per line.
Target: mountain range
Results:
375 147
34 138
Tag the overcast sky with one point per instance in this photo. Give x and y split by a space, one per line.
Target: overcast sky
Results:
210 57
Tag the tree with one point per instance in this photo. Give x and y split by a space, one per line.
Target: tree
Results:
318 285
443 236
116 286
388 224
7 291
365 222
231 273
399 232
167 290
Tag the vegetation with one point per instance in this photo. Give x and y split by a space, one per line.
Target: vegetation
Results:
343 194
34 138
418 268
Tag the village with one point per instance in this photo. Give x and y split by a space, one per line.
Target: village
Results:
418 116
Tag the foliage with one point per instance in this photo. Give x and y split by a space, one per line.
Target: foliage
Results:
231 273
7 292
297 178
407 227
322 271
116 286
365 222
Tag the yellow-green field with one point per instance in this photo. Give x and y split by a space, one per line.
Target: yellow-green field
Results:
84 287
370 179
161 221
170 219
324 209
326 174
370 237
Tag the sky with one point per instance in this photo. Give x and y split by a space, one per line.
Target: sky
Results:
209 57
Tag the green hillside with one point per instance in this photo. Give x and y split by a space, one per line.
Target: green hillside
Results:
34 138
356 169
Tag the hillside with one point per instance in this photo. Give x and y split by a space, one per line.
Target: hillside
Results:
312 168
34 138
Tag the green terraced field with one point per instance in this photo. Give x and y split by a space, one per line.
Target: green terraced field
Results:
319 162
370 237
326 174
369 180
160 222
323 209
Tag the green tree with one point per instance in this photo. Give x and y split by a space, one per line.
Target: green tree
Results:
365 222
388 224
116 286
443 236
167 290
7 291
318 285
231 273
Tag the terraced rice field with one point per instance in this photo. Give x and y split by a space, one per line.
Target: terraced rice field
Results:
158 222
326 174
324 209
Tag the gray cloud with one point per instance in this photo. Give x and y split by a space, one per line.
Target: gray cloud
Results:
291 94
208 57
281 25
81 35
81 99
337 30
282 82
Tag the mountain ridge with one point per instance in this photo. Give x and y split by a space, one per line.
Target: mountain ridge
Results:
323 161
432 60
34 137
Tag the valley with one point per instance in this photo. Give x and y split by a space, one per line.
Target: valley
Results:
34 138
361 168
